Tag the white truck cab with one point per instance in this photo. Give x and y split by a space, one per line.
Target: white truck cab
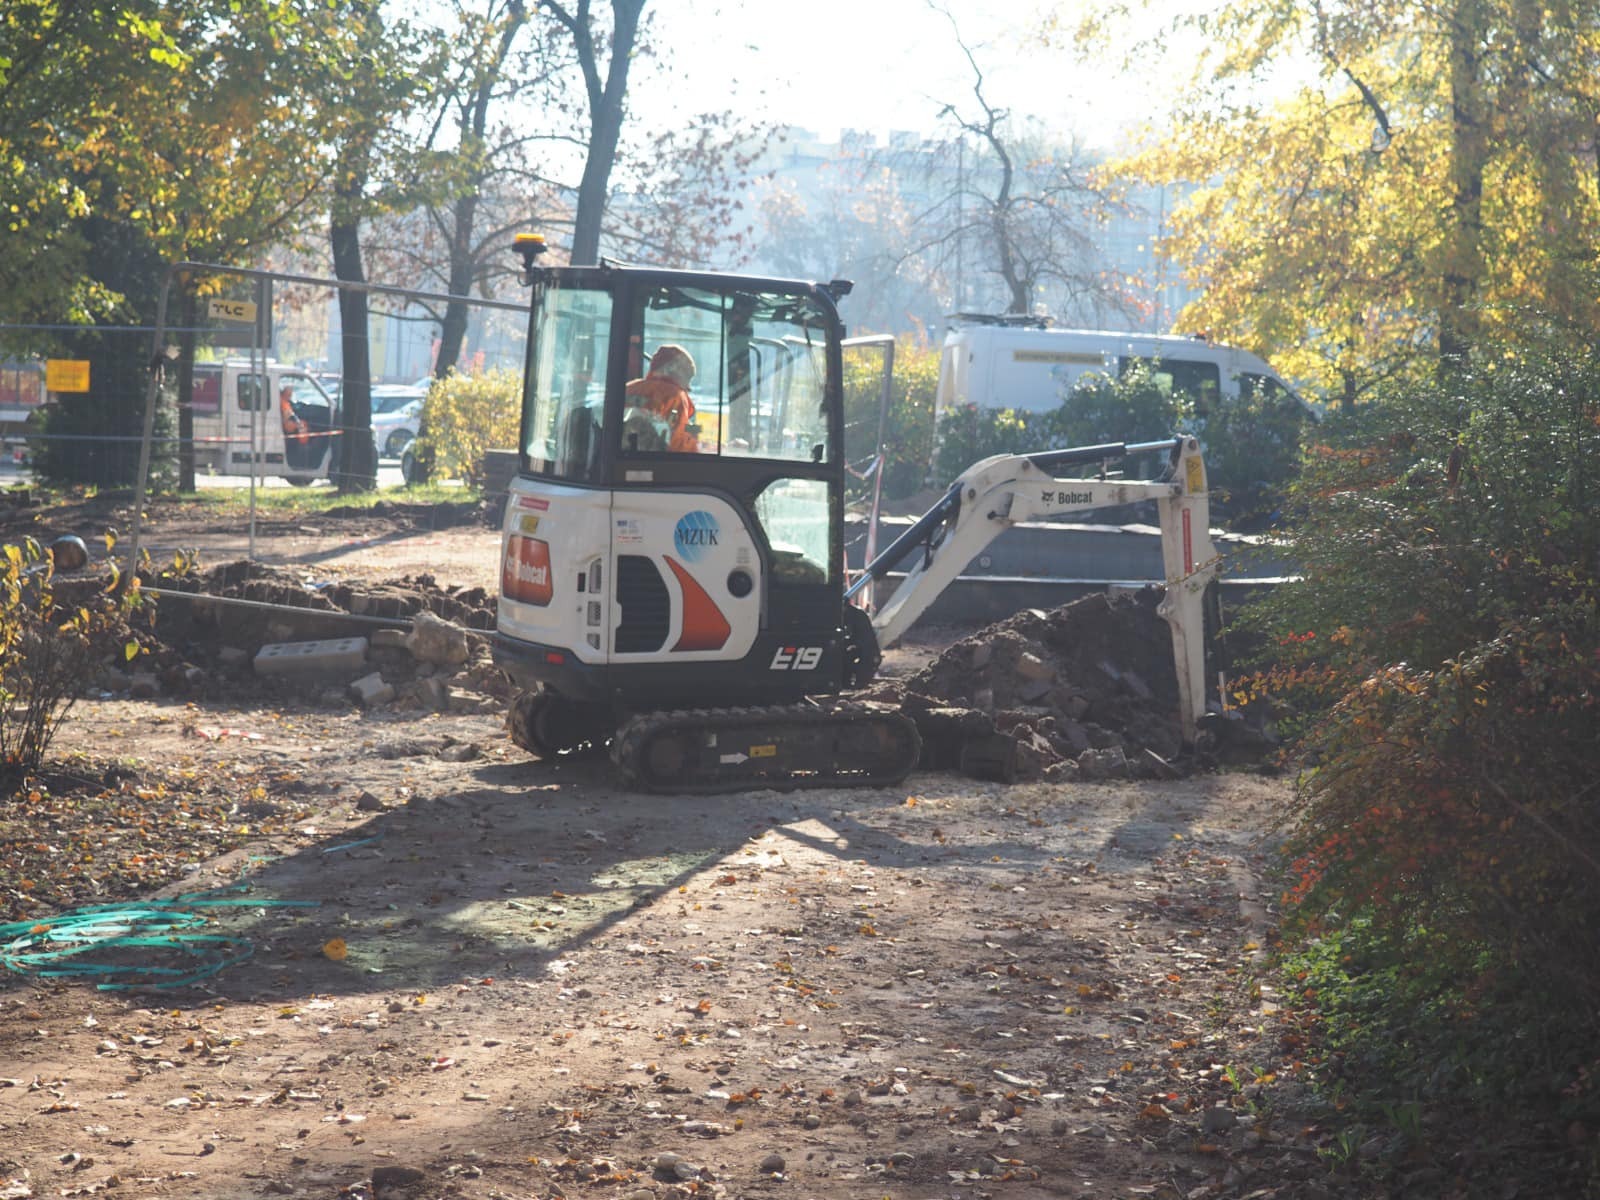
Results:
276 417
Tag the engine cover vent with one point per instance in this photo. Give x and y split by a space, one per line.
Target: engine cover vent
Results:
646 607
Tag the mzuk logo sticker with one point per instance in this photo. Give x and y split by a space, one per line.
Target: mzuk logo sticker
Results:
696 534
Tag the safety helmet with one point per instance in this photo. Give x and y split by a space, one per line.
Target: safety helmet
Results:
674 363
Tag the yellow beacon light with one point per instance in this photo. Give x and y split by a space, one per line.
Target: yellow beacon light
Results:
530 246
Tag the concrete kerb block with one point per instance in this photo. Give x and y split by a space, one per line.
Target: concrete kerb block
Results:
301 660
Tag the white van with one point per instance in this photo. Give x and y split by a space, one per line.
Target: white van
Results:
282 411
1022 363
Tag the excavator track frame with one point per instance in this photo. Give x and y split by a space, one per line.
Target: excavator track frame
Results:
709 751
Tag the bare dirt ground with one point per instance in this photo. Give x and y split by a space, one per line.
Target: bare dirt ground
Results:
477 974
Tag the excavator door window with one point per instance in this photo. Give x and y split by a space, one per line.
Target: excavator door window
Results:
564 400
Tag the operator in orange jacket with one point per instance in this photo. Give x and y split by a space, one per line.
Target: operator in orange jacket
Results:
661 415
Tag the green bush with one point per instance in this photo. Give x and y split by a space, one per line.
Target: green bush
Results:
463 416
1253 446
48 652
1133 408
908 429
970 434
1252 443
1443 648
1099 411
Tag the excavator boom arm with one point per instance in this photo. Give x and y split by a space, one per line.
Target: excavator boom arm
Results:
997 493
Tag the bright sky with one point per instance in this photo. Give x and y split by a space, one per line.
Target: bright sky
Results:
880 64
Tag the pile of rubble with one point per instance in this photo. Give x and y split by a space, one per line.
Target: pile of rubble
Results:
1087 690
1084 691
244 629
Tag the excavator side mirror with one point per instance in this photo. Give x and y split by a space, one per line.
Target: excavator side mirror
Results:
817 452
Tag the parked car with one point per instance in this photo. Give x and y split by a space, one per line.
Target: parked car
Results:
396 413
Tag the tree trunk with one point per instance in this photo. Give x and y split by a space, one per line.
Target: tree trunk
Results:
473 124
453 329
357 469
607 108
100 429
1469 148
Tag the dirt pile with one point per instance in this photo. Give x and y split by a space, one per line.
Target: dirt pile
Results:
1084 690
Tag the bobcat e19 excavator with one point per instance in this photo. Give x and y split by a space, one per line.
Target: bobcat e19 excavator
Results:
673 564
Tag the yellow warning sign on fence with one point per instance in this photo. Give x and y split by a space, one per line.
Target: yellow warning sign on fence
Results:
66 374
242 312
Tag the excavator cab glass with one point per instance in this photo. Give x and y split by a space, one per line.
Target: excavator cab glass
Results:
736 368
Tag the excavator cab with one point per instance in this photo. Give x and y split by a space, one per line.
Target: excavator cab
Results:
673 538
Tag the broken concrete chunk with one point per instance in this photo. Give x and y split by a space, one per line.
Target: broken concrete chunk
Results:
1034 755
390 639
434 640
302 660
371 689
993 756
1031 667
1110 763
1030 691
432 693
1071 738
1065 771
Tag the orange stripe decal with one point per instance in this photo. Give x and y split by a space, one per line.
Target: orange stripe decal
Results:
704 626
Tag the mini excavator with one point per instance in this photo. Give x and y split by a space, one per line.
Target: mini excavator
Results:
673 578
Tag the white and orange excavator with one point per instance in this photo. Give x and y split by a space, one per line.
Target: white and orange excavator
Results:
673 577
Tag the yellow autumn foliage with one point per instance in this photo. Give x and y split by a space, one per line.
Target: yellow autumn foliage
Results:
465 415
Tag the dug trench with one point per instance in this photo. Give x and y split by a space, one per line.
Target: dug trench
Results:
462 971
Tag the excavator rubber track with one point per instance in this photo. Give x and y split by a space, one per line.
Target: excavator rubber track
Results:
706 751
